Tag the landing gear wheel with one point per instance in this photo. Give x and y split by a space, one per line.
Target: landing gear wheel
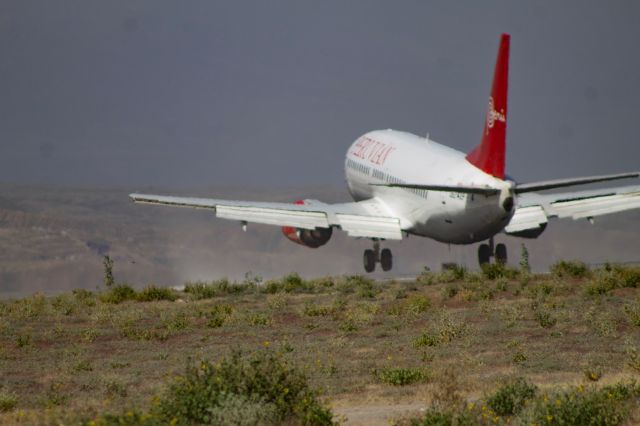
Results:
369 260
484 254
386 259
501 254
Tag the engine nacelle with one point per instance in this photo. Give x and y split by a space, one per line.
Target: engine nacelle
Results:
312 238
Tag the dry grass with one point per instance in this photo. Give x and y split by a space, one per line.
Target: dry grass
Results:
75 353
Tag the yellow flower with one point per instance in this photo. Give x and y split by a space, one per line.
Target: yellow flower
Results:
470 406
266 343
549 417
558 402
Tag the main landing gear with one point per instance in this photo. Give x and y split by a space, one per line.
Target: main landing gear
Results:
487 251
371 257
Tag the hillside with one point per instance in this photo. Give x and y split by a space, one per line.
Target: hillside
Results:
52 239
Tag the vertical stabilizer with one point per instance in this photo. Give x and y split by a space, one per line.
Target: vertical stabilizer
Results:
489 156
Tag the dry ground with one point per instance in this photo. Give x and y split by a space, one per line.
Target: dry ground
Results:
74 355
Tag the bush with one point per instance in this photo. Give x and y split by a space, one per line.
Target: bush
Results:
400 376
511 397
152 293
580 406
8 401
449 291
544 318
118 294
492 271
633 312
291 283
203 290
312 310
357 283
570 269
259 383
418 304
426 339
218 315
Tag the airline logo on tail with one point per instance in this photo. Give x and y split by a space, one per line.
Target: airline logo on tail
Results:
489 156
493 116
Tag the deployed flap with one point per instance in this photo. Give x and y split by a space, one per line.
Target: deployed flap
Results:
534 209
366 226
581 208
368 219
526 218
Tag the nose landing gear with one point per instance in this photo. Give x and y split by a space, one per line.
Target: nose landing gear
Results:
487 251
371 257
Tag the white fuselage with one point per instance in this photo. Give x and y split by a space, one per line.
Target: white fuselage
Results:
388 156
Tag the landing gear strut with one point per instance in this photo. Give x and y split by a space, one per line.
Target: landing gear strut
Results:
487 251
371 257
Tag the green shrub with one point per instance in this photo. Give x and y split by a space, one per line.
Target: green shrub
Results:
218 315
633 312
570 269
258 319
313 310
400 376
151 293
200 290
118 294
492 271
418 304
86 297
291 283
203 290
580 406
449 291
8 401
544 318
357 283
509 398
263 382
426 339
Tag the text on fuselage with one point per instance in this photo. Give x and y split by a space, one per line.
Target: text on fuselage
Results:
372 150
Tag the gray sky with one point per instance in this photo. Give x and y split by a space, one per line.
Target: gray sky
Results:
139 93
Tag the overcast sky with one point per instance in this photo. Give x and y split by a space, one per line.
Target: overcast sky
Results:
195 93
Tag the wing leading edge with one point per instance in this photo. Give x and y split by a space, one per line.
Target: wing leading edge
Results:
368 219
534 210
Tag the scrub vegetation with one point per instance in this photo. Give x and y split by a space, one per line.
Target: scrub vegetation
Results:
496 346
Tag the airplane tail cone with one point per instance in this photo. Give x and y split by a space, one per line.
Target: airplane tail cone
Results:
489 156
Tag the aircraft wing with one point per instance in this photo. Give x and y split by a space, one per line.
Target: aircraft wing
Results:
534 210
369 218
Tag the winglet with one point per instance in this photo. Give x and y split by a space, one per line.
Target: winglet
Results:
489 156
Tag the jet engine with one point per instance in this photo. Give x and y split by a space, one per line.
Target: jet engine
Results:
312 238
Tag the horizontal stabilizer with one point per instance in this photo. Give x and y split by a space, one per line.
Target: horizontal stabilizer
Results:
462 189
561 183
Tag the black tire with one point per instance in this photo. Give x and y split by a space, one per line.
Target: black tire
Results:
484 254
386 259
369 260
501 254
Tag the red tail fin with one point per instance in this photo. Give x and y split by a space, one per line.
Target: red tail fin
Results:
489 156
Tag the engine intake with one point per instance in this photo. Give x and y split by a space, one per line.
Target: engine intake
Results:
312 238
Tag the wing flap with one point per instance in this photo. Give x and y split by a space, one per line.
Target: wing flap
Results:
297 219
596 206
368 226
366 219
526 218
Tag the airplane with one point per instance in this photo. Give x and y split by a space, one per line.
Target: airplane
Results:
403 184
